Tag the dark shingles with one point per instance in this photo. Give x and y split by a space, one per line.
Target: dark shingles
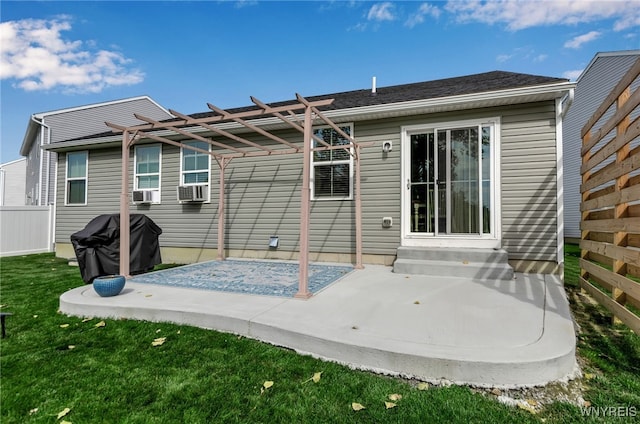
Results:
470 84
478 83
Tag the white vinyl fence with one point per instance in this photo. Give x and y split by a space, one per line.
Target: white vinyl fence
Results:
26 229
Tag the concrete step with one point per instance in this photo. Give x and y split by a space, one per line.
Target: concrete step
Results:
454 262
462 269
453 254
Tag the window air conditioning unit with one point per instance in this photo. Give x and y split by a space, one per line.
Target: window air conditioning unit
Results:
194 193
142 196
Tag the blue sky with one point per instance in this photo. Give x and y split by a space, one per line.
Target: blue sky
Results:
56 55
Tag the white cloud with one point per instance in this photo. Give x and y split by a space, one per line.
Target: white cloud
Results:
577 42
629 21
521 14
35 54
245 3
381 12
358 27
572 75
540 58
424 10
501 58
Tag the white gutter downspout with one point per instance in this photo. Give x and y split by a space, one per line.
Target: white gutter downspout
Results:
52 207
54 215
47 200
33 118
562 106
41 177
1 187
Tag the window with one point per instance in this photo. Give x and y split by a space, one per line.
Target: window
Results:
147 170
331 169
195 165
76 186
147 167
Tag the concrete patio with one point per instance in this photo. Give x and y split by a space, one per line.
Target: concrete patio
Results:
487 333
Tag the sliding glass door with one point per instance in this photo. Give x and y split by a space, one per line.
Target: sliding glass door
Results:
449 181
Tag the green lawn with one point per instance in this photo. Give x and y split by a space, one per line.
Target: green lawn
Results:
111 373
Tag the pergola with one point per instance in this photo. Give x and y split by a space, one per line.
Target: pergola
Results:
189 128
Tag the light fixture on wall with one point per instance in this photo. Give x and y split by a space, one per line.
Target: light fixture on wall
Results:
273 242
387 146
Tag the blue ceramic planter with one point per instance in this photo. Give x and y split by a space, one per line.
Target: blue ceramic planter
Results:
109 285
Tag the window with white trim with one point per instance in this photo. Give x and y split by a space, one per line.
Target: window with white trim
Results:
147 168
76 178
332 170
195 166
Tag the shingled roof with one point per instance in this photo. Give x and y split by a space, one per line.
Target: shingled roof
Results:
477 83
448 87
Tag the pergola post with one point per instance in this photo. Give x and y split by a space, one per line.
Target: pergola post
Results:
358 209
305 199
222 162
125 222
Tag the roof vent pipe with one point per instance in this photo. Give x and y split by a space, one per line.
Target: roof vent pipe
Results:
373 85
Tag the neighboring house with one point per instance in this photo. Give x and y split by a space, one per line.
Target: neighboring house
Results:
592 87
12 182
465 162
51 127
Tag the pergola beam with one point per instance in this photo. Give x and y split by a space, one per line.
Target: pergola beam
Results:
262 153
328 121
226 134
188 134
180 145
283 118
251 126
257 113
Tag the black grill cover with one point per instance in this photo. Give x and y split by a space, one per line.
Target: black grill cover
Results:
97 246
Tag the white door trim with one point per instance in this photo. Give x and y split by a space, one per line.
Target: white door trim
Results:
408 238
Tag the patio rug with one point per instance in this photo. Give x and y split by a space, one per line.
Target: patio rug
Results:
265 277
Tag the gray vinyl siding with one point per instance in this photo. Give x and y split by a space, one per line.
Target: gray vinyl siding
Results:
47 194
103 188
262 194
591 90
91 120
529 182
32 181
48 173
41 173
262 199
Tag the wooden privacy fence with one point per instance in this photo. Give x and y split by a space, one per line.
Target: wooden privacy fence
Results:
610 224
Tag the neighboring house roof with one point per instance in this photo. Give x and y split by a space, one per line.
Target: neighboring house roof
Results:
600 55
13 162
480 90
37 119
